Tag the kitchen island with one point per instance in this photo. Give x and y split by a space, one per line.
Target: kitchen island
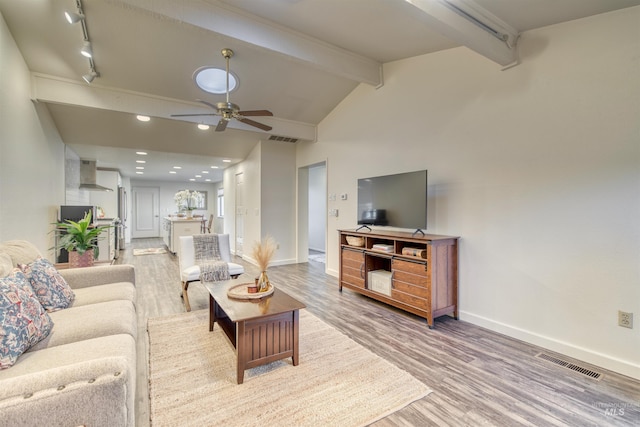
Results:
173 227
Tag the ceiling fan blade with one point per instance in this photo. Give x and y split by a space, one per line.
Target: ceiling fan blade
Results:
208 104
222 125
255 113
189 115
256 124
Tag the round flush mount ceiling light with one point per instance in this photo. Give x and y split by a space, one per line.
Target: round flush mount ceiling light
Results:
214 80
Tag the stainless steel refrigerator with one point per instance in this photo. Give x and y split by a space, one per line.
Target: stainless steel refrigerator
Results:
121 226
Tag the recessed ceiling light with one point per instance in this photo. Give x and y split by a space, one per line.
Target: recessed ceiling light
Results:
208 180
198 176
143 118
202 126
214 80
214 167
226 161
142 153
139 167
177 167
141 161
205 171
173 172
192 179
140 173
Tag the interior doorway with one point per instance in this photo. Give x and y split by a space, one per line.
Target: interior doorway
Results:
317 228
312 213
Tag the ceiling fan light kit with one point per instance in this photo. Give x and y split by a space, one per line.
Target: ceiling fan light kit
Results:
228 110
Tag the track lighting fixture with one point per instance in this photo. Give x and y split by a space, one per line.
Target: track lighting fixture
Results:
86 49
90 76
73 18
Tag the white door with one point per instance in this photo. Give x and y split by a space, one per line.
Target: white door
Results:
146 208
239 215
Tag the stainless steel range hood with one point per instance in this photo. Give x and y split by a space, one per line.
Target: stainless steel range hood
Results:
88 172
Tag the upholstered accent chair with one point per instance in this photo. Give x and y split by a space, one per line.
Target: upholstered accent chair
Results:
189 269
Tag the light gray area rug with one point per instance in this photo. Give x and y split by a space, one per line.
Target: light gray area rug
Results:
192 379
150 251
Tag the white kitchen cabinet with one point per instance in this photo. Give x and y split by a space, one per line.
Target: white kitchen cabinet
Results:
106 242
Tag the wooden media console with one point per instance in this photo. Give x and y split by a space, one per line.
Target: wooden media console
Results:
421 270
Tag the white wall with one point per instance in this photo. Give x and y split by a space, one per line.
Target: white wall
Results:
537 168
278 195
168 190
31 155
269 182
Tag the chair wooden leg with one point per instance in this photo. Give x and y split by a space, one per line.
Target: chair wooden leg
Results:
185 296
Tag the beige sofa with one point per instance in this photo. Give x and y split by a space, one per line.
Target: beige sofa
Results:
84 371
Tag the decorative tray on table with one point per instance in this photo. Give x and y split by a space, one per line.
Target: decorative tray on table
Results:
241 291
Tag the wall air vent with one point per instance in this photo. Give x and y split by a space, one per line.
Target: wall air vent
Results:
283 139
581 369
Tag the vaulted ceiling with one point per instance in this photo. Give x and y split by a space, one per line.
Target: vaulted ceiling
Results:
297 58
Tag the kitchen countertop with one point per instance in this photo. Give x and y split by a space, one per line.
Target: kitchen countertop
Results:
182 219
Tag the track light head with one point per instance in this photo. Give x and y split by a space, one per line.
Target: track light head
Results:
73 18
90 76
86 49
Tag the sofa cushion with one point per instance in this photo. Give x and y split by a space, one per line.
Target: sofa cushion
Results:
90 321
50 288
6 265
103 293
91 383
23 320
20 251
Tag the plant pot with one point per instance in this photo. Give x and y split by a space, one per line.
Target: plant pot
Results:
85 260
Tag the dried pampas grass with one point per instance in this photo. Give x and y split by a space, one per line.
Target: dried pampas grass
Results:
263 252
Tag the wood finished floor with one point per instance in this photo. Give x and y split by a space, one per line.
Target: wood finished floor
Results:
479 377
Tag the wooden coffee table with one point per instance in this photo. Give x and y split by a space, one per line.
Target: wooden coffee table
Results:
262 331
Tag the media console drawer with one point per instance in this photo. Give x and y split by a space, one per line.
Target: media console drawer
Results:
419 268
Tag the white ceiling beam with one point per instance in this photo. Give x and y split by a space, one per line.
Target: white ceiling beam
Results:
240 25
472 26
47 88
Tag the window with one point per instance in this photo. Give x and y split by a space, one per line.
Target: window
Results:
220 202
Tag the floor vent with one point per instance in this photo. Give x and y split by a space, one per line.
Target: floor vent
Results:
580 369
282 138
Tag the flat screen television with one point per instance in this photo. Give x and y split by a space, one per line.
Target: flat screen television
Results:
398 200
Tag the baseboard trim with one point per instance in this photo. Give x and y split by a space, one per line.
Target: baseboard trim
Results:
271 263
611 363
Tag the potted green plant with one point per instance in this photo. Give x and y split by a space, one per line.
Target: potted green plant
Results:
80 239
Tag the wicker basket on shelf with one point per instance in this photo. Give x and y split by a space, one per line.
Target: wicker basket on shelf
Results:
355 240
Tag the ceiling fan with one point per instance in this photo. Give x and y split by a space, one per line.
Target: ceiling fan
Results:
228 110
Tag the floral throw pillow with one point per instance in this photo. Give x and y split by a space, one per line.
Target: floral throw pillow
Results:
50 288
23 320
